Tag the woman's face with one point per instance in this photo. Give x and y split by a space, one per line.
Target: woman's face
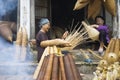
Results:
99 21
46 27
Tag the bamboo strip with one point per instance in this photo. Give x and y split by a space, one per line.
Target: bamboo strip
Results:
43 68
55 70
68 70
62 67
85 55
95 54
40 63
74 68
49 68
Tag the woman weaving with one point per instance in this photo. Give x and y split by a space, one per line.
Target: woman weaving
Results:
42 39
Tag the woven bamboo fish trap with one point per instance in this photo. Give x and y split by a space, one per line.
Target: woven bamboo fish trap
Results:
110 5
94 8
6 32
80 4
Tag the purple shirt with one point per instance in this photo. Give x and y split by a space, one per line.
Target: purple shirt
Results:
105 28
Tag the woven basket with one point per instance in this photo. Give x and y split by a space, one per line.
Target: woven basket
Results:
92 32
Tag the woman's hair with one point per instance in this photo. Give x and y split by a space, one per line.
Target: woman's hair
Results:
100 17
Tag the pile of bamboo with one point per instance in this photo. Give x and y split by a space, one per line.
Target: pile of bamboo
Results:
109 67
21 44
56 66
80 35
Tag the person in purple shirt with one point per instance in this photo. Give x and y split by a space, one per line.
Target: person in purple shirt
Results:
103 29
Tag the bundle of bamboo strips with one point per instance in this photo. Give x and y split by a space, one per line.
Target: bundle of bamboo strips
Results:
93 5
21 44
56 66
80 35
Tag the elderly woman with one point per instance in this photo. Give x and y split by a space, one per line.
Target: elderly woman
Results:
42 40
103 29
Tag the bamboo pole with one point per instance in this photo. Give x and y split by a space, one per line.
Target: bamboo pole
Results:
60 74
50 65
43 68
74 68
68 70
62 67
40 63
55 69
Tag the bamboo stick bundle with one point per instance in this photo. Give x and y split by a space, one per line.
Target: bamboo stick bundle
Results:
74 69
46 51
19 36
68 70
24 37
43 68
55 70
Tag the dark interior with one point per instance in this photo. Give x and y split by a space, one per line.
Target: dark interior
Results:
63 14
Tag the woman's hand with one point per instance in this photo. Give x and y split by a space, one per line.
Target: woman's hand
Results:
65 35
94 26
